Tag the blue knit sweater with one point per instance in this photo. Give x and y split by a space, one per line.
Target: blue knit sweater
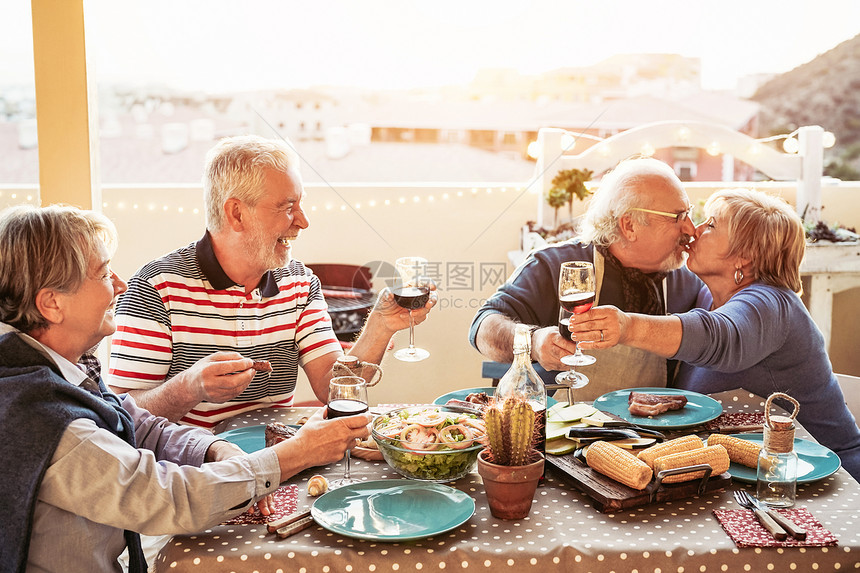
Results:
763 340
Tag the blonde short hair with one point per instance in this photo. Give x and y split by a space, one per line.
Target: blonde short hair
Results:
235 168
47 247
764 230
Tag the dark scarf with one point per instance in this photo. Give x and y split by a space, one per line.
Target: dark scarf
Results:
642 291
36 405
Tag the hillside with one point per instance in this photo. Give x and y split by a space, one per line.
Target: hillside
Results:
825 92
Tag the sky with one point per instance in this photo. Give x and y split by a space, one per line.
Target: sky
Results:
391 44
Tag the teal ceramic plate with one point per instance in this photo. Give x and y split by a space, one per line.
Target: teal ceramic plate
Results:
699 408
814 461
392 510
462 394
250 439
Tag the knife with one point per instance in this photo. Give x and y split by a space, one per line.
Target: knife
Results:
768 523
791 527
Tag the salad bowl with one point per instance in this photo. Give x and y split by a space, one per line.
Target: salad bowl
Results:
429 443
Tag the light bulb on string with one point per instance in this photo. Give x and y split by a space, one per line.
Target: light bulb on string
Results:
828 139
791 145
568 142
647 150
713 149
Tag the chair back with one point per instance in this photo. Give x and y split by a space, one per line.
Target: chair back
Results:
851 390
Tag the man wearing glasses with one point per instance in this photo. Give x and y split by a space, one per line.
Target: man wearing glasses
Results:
635 232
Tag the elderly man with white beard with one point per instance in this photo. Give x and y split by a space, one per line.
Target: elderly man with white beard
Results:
193 321
635 232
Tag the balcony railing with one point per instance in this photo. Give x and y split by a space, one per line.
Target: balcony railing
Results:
466 231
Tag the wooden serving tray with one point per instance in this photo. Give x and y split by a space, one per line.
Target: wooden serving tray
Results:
611 496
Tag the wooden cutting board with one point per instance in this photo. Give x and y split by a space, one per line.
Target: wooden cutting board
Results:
610 496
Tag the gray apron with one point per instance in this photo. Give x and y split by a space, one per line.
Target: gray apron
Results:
618 367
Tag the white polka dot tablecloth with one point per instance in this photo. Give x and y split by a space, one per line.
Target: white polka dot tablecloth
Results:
563 532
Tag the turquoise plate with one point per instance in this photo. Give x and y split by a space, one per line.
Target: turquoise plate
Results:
250 439
392 510
814 461
699 408
462 394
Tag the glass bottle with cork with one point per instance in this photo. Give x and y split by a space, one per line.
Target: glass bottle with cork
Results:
776 483
521 381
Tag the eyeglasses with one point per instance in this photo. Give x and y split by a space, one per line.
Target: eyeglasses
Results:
679 217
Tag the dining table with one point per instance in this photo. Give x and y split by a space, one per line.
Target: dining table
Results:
565 530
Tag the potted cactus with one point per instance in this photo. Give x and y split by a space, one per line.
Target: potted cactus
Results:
510 466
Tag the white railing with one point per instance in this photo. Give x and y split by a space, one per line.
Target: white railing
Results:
466 230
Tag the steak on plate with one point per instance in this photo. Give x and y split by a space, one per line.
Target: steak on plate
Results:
642 404
277 432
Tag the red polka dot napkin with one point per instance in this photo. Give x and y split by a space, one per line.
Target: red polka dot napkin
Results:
286 503
745 530
736 422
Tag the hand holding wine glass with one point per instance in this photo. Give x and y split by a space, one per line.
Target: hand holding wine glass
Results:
576 291
411 292
347 396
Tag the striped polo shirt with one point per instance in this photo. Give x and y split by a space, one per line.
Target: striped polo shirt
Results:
183 307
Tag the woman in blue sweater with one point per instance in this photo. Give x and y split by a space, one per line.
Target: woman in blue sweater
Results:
751 329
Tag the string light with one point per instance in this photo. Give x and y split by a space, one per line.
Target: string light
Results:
647 149
791 145
713 148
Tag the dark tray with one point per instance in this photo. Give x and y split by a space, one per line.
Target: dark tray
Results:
610 496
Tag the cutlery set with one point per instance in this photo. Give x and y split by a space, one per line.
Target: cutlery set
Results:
778 525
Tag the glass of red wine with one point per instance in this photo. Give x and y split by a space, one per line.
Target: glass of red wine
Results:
411 292
570 378
347 396
575 296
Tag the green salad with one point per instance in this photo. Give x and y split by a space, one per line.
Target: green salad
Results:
428 443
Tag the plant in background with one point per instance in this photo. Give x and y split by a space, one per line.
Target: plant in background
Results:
556 198
570 182
512 433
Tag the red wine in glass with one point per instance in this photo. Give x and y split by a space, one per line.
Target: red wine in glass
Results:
411 297
347 396
412 292
340 408
564 328
576 290
578 302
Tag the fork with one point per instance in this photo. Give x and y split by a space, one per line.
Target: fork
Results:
791 527
745 500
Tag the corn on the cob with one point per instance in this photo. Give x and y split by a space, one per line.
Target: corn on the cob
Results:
682 444
740 451
715 456
618 464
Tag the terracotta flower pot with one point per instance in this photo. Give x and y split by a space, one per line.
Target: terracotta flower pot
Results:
509 489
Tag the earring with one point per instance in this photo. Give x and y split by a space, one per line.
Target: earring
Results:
739 276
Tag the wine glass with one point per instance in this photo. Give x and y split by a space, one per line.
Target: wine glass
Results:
411 292
575 295
347 396
571 378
